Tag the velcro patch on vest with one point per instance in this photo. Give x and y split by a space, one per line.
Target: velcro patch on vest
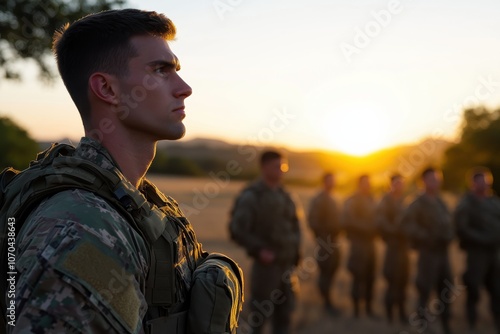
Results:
106 278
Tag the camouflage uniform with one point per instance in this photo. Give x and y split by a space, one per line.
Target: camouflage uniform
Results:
427 223
323 219
396 261
358 219
263 218
83 267
478 227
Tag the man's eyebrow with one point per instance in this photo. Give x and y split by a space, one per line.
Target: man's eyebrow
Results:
170 64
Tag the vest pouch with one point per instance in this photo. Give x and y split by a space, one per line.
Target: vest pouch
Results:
159 289
174 323
216 295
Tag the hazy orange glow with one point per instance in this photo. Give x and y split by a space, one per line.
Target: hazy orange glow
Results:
286 81
362 132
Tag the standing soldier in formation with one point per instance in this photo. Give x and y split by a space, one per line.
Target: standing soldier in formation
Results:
359 222
396 262
323 219
477 220
427 222
264 221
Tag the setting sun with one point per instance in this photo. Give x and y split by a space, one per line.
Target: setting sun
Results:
358 115
363 131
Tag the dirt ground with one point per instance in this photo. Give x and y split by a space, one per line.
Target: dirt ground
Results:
207 202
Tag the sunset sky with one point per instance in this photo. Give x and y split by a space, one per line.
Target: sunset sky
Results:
352 76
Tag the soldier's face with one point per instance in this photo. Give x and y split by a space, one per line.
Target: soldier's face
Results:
432 181
364 185
482 183
152 94
329 182
397 185
273 170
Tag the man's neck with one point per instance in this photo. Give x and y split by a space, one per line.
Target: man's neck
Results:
481 194
272 184
132 156
365 193
396 194
432 193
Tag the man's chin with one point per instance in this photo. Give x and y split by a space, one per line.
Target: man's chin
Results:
174 135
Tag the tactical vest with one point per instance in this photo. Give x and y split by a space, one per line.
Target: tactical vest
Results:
287 250
153 216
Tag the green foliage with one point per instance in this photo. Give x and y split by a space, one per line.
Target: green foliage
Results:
478 146
182 166
17 149
27 26
175 165
190 162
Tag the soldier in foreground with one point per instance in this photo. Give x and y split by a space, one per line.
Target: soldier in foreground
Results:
427 223
396 262
324 221
104 251
477 220
264 221
358 220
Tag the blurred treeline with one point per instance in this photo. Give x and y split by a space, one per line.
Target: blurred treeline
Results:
17 148
478 144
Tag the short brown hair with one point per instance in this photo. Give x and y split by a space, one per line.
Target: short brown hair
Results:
428 171
395 176
363 177
474 173
101 42
326 175
267 156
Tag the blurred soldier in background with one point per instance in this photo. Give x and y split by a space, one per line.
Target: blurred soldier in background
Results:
264 221
396 262
358 219
427 222
477 220
323 219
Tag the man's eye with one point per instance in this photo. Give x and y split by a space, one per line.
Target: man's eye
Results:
160 70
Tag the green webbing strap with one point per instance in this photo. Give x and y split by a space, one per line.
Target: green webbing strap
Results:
161 275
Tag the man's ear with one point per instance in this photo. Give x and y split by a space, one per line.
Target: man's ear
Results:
104 87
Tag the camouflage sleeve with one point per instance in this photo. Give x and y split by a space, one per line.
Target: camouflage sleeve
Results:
244 216
81 269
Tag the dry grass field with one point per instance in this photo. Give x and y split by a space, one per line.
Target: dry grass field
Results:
207 204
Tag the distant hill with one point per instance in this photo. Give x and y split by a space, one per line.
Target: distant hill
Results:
306 167
202 157
407 160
